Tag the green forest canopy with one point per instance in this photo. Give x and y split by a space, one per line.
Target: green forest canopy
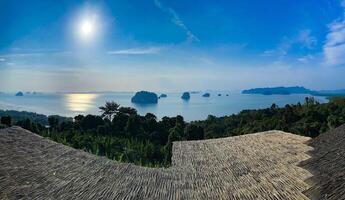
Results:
120 133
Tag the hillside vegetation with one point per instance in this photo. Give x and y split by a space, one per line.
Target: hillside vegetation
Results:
121 134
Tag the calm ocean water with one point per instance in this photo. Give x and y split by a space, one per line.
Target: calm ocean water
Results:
197 108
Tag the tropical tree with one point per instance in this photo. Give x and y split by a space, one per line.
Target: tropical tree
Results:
53 122
109 110
127 111
194 132
6 120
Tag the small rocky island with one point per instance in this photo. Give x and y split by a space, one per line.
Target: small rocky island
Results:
219 95
163 96
206 95
185 96
145 97
19 94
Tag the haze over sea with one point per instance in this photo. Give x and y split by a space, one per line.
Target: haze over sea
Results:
197 108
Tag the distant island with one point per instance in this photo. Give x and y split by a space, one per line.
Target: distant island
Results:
330 93
30 93
219 95
163 96
145 97
19 94
293 90
206 95
278 90
185 96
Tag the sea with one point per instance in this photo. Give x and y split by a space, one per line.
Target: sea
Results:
197 108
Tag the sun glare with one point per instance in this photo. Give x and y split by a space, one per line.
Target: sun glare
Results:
87 28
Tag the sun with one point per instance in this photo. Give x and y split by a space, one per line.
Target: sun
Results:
87 28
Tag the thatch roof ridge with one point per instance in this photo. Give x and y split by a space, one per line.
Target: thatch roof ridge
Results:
242 136
254 166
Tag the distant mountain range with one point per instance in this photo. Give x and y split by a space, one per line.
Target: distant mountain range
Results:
293 90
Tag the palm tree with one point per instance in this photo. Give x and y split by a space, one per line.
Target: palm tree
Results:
109 110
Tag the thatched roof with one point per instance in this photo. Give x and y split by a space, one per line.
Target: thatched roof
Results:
254 166
327 164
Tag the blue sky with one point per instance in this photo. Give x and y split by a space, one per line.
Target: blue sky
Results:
175 45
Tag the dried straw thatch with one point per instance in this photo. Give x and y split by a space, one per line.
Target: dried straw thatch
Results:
255 166
327 164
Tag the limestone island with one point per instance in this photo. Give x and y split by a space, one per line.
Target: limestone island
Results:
206 95
19 94
185 96
145 97
163 96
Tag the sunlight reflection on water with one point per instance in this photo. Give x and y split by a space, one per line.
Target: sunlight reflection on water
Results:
80 102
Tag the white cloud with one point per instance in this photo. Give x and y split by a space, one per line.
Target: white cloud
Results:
175 18
334 47
32 50
2 59
304 39
268 53
305 59
136 51
20 52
